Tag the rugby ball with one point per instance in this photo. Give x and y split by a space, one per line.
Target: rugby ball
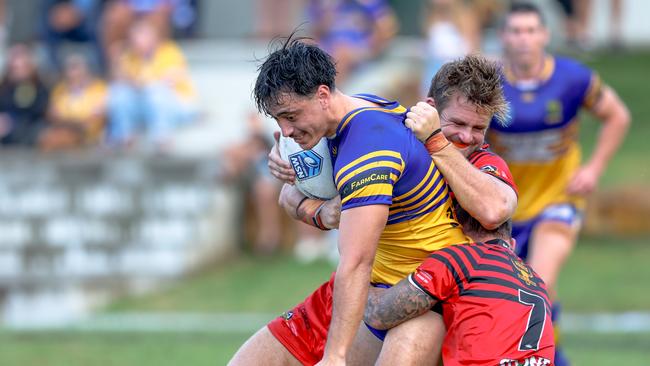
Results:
313 168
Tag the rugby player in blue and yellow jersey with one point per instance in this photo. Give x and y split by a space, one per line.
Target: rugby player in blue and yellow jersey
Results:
378 144
394 221
540 143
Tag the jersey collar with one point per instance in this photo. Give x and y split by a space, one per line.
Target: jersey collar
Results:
500 242
382 104
545 74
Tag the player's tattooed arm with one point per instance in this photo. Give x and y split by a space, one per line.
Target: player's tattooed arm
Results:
389 308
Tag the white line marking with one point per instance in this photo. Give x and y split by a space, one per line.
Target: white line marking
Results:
628 322
165 322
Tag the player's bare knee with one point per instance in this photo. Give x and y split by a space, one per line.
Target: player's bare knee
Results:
263 349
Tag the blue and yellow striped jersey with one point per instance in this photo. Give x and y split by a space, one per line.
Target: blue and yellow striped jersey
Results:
540 143
378 161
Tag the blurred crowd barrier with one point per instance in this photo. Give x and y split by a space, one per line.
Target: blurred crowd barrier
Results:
77 232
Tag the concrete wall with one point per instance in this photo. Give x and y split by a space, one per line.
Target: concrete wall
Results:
76 231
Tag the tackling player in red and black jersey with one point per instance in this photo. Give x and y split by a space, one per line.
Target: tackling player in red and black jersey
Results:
495 308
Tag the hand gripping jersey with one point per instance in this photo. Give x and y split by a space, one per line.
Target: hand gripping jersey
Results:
495 308
492 164
378 161
540 143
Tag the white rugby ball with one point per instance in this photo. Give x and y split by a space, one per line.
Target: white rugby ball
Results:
313 168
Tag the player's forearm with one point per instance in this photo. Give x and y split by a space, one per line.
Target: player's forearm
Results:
350 292
483 196
359 233
389 308
616 121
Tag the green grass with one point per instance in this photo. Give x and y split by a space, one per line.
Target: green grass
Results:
607 275
127 349
113 349
607 349
246 285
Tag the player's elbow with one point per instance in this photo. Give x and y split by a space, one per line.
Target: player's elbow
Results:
615 111
495 212
496 216
624 117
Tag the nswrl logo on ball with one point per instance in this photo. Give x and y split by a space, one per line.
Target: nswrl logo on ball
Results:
307 164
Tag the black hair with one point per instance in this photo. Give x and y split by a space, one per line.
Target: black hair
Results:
473 228
524 8
297 67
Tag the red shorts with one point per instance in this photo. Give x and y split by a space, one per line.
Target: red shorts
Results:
303 329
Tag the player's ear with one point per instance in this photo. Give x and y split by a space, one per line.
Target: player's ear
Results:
431 102
323 94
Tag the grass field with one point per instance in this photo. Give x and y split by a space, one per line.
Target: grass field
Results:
604 275
128 349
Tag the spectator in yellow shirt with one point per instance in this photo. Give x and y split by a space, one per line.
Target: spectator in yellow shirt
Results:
152 90
77 112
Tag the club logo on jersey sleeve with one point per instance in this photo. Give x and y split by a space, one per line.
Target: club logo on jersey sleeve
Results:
307 164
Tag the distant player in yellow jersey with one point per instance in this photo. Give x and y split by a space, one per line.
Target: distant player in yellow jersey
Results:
540 143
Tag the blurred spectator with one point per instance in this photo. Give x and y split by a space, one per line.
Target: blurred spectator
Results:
3 24
452 31
352 31
488 14
71 21
275 18
245 163
164 15
576 22
152 89
23 98
615 24
77 110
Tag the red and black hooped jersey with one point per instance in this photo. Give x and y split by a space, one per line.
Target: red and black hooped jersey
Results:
495 307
